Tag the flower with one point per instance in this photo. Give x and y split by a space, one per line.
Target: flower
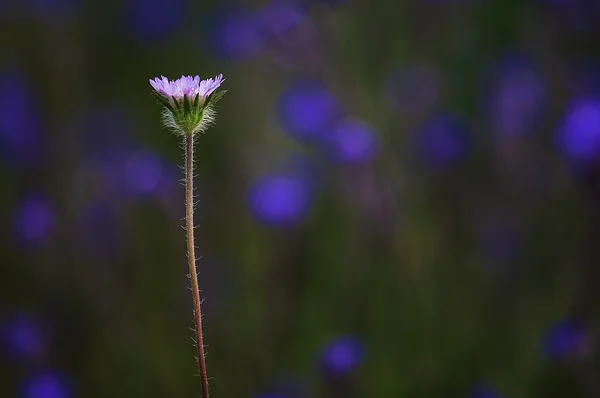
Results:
342 355
188 101
281 199
353 141
46 385
579 134
34 219
565 339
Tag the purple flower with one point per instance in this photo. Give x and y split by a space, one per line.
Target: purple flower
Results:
235 34
280 200
579 134
34 219
353 141
342 356
186 86
24 336
565 339
20 124
188 102
441 141
307 110
45 385
154 19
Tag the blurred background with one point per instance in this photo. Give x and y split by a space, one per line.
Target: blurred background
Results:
399 199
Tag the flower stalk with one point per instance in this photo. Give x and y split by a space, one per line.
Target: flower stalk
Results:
191 255
188 110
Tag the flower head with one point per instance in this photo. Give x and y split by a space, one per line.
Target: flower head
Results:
188 101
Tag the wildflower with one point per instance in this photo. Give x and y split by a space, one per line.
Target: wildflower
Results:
188 102
342 356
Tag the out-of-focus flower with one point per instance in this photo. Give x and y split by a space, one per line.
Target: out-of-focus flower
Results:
518 99
19 119
24 336
144 171
153 20
188 102
566 339
342 356
441 141
413 89
281 200
353 141
234 34
34 219
46 385
579 134
307 110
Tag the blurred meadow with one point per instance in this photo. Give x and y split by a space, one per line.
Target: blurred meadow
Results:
399 199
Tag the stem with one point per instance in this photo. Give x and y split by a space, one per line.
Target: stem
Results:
189 228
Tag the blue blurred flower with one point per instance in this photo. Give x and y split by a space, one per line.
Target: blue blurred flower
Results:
565 339
518 100
45 385
281 200
234 33
34 219
441 141
342 356
307 110
579 134
153 20
24 336
353 141
144 172
20 123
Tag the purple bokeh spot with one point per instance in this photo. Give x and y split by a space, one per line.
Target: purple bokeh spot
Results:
579 135
280 199
153 20
307 110
565 339
46 385
234 34
441 141
34 219
353 141
144 172
342 356
24 336
19 119
518 101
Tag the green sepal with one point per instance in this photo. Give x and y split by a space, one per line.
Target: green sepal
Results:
196 99
214 98
177 103
187 106
162 100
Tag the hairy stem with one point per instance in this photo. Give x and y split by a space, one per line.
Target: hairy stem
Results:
189 228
